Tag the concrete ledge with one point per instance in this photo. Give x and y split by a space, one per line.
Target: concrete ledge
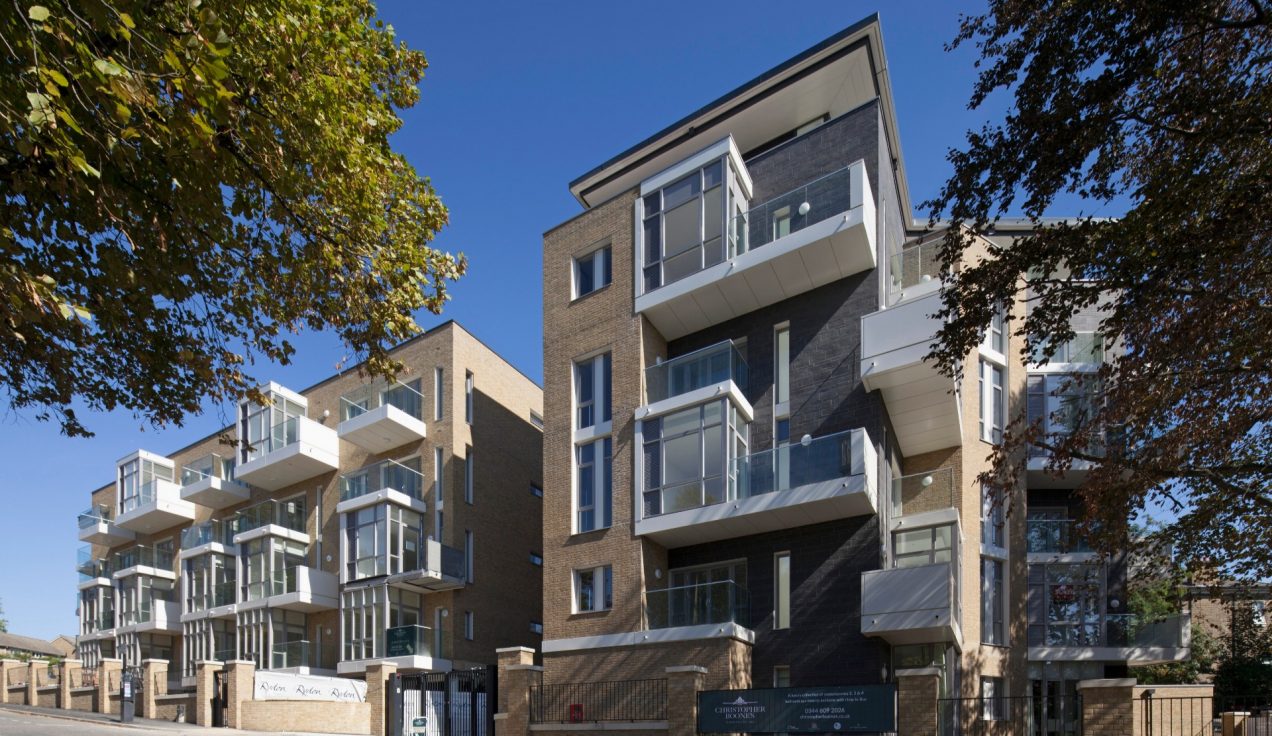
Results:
602 726
1114 682
919 672
530 667
501 650
687 668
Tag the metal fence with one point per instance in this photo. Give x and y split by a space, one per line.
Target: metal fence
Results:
1020 715
1205 715
595 702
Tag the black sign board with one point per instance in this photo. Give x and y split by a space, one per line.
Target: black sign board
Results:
399 641
843 709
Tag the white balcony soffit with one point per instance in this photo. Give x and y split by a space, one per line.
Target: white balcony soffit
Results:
215 493
910 605
382 429
921 401
316 451
105 533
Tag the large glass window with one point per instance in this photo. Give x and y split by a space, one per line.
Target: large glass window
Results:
1065 604
384 539
595 479
269 566
684 225
687 457
1061 403
137 482
268 428
782 591
993 602
993 518
592 387
992 407
916 547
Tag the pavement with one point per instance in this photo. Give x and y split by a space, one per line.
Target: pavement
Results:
23 720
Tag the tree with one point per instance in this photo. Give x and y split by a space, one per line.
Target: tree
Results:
4 622
1152 598
183 184
1163 105
1245 664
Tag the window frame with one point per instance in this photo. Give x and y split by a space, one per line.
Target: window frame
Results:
598 263
782 594
605 595
469 388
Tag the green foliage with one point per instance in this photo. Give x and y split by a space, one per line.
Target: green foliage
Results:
4 623
1162 105
1203 654
183 184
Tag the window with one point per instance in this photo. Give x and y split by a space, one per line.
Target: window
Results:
991 402
917 547
536 559
993 628
593 589
595 480
468 475
382 539
683 225
782 370
469 555
536 491
781 223
469 625
536 419
536 627
993 518
439 392
995 338
782 676
592 271
993 704
592 386
686 455
782 590
468 397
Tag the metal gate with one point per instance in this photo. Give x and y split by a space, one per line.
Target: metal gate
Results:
459 703
1024 715
220 698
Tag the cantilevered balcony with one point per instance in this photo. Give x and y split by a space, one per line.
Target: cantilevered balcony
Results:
286 519
411 648
694 276
143 560
296 588
295 449
97 526
1112 638
209 481
911 605
695 377
92 570
149 498
379 419
807 482
387 480
922 403
210 536
1052 537
159 616
439 568
708 605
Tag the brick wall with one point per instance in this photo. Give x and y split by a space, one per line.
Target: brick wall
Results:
312 717
727 662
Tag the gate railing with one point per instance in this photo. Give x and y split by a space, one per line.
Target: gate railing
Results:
595 702
1016 714
1204 715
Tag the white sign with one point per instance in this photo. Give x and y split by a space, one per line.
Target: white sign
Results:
285 686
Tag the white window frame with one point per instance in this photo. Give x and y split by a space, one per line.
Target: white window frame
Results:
781 593
599 575
602 497
987 603
595 363
468 396
992 694
439 393
600 261
993 514
993 406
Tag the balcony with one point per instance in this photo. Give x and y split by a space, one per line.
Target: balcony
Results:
811 481
97 526
210 536
143 560
159 616
694 377
296 588
816 234
271 518
411 648
911 605
914 271
209 481
149 500
1054 537
923 493
922 403
441 568
290 655
1062 403
1112 638
706 604
387 480
92 570
379 420
296 449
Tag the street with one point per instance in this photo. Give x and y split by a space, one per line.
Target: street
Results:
29 723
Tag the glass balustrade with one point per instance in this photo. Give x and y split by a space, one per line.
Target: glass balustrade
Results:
386 474
818 200
790 466
685 373
691 605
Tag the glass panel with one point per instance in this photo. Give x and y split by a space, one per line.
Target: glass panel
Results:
713 213
683 458
683 227
681 191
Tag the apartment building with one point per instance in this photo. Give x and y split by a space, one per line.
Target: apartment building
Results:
351 521
750 467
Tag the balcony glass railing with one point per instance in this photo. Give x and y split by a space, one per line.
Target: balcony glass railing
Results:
691 605
221 532
772 471
90 567
95 515
817 200
1085 347
386 474
208 466
407 641
405 397
225 655
912 266
1054 536
144 556
920 492
147 493
287 514
223 593
286 432
454 563
685 373
280 582
290 654
1112 630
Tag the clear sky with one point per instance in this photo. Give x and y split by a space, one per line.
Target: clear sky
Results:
520 99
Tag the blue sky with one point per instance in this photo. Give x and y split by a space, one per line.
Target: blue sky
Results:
520 99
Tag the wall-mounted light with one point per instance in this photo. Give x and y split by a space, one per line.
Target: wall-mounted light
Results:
806 440
804 208
927 481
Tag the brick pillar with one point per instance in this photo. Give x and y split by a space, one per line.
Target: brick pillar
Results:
6 666
154 682
517 672
917 693
377 675
108 682
70 670
1108 707
683 684
34 668
204 688
240 687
